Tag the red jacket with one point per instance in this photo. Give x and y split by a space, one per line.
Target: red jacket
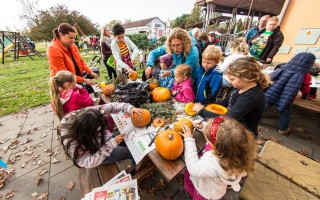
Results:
75 99
59 58
305 89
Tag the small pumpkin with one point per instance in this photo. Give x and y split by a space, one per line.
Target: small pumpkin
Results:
216 108
160 94
188 109
142 119
169 144
158 122
133 76
108 89
153 83
184 121
103 84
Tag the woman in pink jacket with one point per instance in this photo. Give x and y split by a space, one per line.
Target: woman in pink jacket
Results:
182 88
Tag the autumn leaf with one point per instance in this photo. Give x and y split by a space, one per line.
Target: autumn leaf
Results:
34 194
303 162
71 185
42 172
39 180
43 196
9 194
55 161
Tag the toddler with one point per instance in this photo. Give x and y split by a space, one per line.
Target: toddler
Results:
165 64
182 89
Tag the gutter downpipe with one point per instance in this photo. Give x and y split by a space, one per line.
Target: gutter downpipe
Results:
283 11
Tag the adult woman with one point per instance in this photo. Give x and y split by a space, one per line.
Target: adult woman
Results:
179 45
105 42
63 54
123 49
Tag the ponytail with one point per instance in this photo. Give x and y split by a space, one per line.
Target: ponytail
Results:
55 97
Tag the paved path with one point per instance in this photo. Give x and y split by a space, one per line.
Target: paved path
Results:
29 143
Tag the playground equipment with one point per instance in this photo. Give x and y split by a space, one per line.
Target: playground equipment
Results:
13 41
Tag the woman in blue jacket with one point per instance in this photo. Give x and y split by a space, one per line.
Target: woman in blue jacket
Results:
179 45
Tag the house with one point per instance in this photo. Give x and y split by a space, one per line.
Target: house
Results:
154 27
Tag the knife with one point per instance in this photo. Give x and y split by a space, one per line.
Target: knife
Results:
155 131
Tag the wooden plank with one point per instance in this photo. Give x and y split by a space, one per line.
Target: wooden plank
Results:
168 168
308 104
145 172
103 99
107 171
89 179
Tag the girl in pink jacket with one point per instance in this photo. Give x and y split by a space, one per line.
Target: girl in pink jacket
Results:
66 96
182 88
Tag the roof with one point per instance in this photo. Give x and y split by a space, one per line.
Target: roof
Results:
139 23
272 7
212 21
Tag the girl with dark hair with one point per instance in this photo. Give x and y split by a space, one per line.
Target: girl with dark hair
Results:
63 54
87 140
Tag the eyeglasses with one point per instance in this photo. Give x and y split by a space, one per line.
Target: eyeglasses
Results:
176 46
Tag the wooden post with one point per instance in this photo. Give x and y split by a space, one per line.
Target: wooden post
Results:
2 38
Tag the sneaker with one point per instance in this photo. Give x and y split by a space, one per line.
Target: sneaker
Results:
284 132
312 96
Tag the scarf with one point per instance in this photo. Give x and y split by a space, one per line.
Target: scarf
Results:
108 41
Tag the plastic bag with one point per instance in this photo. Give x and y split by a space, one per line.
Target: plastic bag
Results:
134 93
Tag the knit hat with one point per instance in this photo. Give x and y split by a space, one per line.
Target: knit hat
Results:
166 59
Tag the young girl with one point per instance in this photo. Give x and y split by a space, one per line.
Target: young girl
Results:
182 89
66 96
86 139
165 64
246 103
230 156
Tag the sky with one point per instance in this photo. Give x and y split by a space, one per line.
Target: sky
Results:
101 11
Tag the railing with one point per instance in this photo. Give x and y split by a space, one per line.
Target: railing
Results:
225 41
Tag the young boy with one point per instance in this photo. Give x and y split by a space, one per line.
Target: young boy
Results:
208 81
165 64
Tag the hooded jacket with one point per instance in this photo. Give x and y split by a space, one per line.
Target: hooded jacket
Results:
288 80
185 91
75 99
206 174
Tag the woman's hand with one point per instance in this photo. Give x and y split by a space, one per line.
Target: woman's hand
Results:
165 74
148 71
96 76
197 107
119 138
186 132
88 81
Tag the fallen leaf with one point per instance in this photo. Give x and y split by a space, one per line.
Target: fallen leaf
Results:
299 129
39 180
9 194
70 185
23 165
42 172
62 198
44 135
277 140
303 162
26 141
43 196
34 194
55 161
4 140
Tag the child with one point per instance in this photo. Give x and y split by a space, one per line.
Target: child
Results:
66 96
314 71
182 88
208 80
230 156
246 103
86 139
287 82
165 64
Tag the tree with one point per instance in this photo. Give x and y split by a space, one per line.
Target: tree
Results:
47 20
239 25
126 21
194 17
29 11
140 39
113 22
181 21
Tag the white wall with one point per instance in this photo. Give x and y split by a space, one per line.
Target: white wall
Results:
160 28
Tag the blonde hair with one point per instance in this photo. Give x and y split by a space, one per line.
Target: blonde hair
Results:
183 35
183 70
239 45
56 82
274 18
103 31
235 146
212 52
247 69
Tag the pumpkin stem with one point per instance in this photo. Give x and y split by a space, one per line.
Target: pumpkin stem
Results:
170 136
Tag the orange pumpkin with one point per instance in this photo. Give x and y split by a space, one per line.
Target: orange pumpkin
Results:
184 121
109 89
216 108
188 109
169 144
160 94
153 83
158 122
141 120
133 76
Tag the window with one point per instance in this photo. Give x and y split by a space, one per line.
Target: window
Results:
160 32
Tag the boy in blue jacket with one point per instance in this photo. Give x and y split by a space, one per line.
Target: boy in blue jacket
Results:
208 81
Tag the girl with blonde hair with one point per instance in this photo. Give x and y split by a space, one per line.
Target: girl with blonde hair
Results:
182 88
246 103
229 155
66 96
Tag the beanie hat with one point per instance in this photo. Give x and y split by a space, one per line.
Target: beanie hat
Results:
166 59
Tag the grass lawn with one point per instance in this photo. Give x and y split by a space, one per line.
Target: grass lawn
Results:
24 83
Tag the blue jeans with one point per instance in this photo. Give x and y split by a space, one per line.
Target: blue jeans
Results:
285 117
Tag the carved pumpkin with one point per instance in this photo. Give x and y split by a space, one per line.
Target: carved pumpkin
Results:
153 83
160 94
141 120
169 144
158 122
108 89
216 108
184 121
133 76
188 109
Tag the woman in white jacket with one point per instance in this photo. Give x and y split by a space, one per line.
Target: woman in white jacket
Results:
229 155
123 50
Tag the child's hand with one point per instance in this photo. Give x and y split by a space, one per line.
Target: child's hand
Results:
186 132
197 107
174 93
165 74
119 138
136 110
